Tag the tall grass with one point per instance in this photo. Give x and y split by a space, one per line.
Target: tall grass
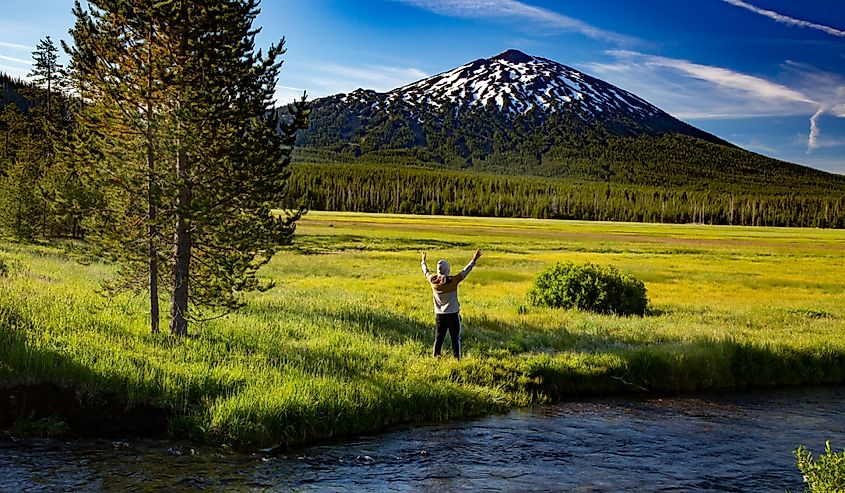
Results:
342 345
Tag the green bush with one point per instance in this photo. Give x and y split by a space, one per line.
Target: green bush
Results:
825 474
601 289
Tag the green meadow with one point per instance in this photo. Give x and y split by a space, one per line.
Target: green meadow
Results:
342 344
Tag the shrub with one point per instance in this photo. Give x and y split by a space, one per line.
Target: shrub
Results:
601 289
825 474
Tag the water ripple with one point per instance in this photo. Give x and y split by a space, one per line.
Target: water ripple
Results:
711 442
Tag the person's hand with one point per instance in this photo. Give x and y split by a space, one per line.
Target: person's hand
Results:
476 255
423 256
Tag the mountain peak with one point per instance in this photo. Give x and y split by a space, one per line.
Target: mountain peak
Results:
509 101
513 56
517 83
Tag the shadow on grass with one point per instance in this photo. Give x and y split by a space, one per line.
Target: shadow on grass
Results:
522 352
530 363
41 386
481 334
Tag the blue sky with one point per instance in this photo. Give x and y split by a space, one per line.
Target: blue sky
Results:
767 75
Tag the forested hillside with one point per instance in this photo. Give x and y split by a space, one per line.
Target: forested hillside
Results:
669 160
12 91
403 189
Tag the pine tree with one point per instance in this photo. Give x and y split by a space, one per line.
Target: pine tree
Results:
59 185
231 156
46 71
117 72
178 118
29 147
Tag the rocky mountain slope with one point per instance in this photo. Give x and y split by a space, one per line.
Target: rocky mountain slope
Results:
517 114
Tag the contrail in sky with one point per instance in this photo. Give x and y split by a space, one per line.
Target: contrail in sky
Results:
785 19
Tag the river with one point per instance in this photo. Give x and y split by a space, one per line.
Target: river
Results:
737 441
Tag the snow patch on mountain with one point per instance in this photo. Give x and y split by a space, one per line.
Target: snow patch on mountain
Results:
515 83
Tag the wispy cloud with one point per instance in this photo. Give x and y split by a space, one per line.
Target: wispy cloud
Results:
15 60
324 79
828 90
516 10
813 140
691 90
785 19
287 94
379 77
15 46
826 143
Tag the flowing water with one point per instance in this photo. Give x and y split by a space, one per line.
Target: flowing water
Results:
707 442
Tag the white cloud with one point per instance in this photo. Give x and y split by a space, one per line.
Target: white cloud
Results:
383 77
286 94
332 78
784 19
813 140
516 10
15 60
15 46
723 77
690 90
828 142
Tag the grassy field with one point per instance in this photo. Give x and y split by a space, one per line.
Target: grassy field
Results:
342 344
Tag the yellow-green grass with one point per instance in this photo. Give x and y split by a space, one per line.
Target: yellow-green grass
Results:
342 344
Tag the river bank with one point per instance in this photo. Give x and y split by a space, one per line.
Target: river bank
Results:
723 441
341 346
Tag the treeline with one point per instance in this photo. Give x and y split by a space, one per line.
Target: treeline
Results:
41 194
374 188
665 161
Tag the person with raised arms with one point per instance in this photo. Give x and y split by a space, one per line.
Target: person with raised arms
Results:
446 307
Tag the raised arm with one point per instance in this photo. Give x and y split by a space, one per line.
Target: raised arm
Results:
471 264
425 270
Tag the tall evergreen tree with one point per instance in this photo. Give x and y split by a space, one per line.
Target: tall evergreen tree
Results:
46 71
44 179
59 185
181 103
29 146
231 155
118 71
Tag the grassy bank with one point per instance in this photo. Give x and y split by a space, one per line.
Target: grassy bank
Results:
341 345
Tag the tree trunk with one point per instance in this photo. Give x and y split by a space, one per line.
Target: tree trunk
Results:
152 232
152 212
182 250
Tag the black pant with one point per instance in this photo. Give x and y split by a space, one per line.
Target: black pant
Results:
452 323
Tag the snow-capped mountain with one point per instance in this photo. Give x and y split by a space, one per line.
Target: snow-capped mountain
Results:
511 112
516 83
